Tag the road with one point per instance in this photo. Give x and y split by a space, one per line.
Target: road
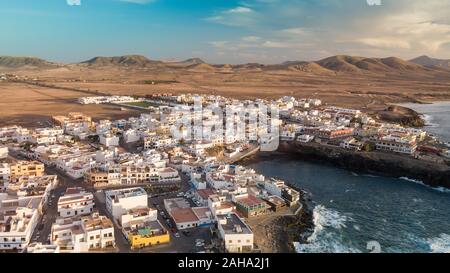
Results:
181 244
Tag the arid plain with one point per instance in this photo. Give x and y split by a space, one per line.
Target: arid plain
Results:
44 89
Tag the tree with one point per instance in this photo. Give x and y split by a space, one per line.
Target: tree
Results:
369 146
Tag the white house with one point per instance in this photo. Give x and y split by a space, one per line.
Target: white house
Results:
237 237
83 234
109 140
19 219
75 201
131 135
3 152
119 202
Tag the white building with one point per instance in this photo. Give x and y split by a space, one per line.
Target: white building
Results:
305 138
3 152
41 248
131 135
5 172
237 237
119 202
138 215
82 234
75 201
396 144
18 219
109 140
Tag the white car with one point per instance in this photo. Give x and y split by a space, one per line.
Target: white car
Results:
177 235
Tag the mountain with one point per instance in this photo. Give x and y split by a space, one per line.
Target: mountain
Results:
19 62
308 67
185 63
193 61
363 65
203 67
331 66
127 60
431 62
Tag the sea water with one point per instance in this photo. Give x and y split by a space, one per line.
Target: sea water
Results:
354 210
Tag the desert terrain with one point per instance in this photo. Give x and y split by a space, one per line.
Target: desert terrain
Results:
44 88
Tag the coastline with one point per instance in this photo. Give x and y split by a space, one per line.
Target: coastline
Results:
377 163
281 232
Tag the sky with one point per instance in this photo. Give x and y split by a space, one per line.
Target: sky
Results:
224 31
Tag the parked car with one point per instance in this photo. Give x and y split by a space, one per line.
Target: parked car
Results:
177 235
186 233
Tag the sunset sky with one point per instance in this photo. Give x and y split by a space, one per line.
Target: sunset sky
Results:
224 31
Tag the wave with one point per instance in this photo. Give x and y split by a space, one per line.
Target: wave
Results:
439 189
326 237
370 175
429 121
440 244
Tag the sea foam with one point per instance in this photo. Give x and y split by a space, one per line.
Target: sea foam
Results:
326 237
440 244
440 189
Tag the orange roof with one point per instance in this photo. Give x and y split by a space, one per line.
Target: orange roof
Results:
182 215
250 200
205 193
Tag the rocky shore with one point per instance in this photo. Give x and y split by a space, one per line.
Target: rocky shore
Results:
401 115
276 232
430 173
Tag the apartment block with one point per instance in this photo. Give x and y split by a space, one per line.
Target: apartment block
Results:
27 168
75 201
83 234
118 202
3 152
237 237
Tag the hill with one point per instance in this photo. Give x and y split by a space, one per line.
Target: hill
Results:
127 60
19 62
431 62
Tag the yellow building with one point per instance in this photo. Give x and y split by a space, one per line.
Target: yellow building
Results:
147 234
27 168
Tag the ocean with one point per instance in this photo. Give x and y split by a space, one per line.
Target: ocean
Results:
355 211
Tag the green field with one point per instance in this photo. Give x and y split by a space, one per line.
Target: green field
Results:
143 104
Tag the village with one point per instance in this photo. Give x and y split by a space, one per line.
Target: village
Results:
147 184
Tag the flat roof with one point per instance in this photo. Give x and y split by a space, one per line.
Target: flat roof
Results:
250 200
183 215
232 222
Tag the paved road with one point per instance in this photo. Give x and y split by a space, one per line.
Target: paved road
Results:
182 243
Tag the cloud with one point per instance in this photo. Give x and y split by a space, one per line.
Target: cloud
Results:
385 43
251 38
240 10
237 16
303 29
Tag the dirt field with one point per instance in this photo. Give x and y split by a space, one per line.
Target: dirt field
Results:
33 106
26 104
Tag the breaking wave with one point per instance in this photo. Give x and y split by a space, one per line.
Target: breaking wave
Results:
440 244
440 189
326 237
